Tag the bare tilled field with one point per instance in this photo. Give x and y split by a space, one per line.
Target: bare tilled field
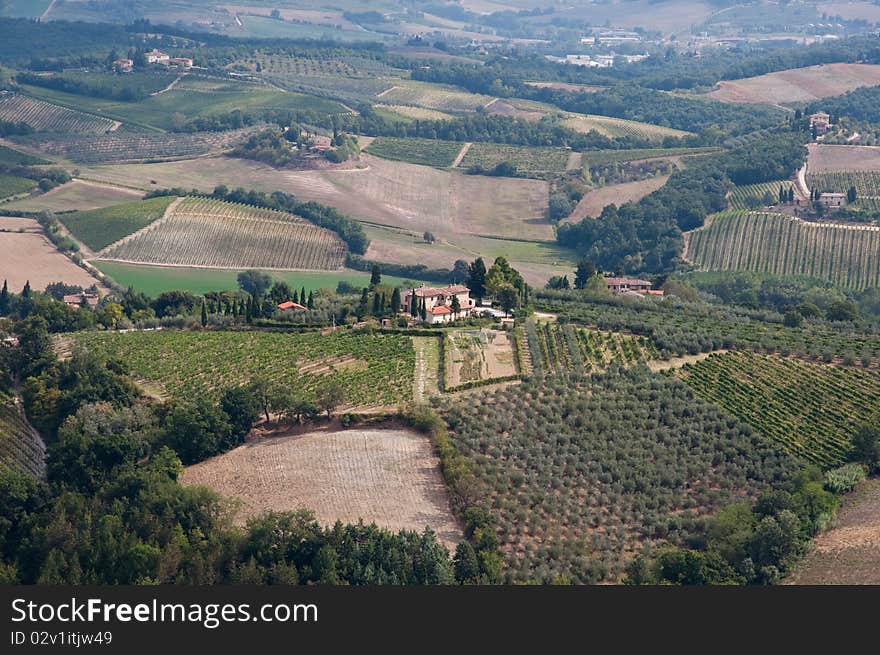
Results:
593 202
390 477
386 192
29 256
848 553
824 158
799 84
77 195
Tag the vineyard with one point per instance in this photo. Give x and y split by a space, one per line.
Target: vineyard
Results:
99 228
21 449
12 185
749 196
433 96
867 183
46 117
558 349
414 113
682 329
276 64
534 161
600 157
618 127
216 234
373 369
775 243
428 152
581 474
811 410
130 146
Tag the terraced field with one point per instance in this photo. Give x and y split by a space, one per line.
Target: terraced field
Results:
99 228
21 449
848 255
46 117
810 410
216 234
373 369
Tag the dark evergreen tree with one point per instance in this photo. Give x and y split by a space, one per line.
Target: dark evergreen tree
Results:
311 301
26 291
585 270
375 276
4 299
395 301
476 281
204 314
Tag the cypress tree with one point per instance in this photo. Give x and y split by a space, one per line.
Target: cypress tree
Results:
413 306
311 302
26 292
395 301
249 309
4 299
423 310
204 314
375 276
377 306
302 296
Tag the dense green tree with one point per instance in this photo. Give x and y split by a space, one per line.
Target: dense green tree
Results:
476 280
330 397
585 270
375 276
255 283
395 301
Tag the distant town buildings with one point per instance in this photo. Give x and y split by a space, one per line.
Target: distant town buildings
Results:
157 57
84 299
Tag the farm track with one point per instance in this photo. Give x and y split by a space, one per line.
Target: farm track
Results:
460 155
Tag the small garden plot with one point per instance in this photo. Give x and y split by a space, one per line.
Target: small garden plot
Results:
390 477
528 161
216 234
428 152
478 355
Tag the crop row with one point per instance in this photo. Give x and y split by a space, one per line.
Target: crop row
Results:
811 410
122 146
428 152
203 232
46 117
526 159
867 183
559 349
750 196
775 243
600 157
21 449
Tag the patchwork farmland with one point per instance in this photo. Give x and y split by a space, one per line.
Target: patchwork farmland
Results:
98 228
617 127
848 255
216 234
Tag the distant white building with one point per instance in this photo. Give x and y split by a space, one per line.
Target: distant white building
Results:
157 57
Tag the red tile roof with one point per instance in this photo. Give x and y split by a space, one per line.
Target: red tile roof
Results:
429 292
440 309
291 305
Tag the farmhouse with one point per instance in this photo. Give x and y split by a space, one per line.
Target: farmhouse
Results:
291 306
820 122
627 285
438 302
81 299
123 65
157 57
832 199
181 62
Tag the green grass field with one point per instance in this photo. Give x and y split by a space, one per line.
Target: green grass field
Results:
373 369
101 227
10 157
12 185
192 98
153 280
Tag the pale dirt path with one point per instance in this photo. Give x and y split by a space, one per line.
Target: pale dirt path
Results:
170 86
169 210
677 362
574 161
45 14
388 90
461 154
803 189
